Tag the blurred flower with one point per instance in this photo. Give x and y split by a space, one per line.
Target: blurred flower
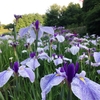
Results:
83 56
29 31
32 62
96 56
17 17
74 49
59 59
14 44
58 37
24 51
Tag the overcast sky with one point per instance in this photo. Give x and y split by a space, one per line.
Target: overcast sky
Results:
19 7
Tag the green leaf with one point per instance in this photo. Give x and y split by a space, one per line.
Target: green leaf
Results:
1 96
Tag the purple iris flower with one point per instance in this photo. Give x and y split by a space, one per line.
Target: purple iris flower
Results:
70 71
32 62
19 70
30 31
67 72
82 87
14 44
17 17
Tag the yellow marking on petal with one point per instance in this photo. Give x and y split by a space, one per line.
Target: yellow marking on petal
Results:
82 79
57 75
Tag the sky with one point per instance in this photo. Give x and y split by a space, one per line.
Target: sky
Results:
19 7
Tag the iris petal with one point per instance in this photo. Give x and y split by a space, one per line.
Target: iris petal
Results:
5 76
85 89
47 82
26 72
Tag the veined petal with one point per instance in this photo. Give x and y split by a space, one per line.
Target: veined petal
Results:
23 31
60 38
43 56
30 40
74 50
48 81
96 56
40 34
47 29
25 61
33 63
85 89
5 76
58 61
26 72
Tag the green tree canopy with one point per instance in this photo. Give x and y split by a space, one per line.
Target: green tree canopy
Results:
27 19
52 15
71 15
93 20
89 4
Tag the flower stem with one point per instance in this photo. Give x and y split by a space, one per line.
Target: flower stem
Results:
69 96
15 31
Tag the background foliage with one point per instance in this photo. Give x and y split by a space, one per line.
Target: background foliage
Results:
70 17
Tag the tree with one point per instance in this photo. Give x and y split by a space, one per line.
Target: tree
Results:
93 20
89 4
71 16
27 19
9 26
52 15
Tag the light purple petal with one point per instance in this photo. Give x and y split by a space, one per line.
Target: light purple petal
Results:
58 61
43 56
32 32
60 38
54 47
74 50
95 64
23 31
40 34
26 72
47 29
33 63
83 46
98 71
67 59
85 89
30 40
48 81
96 56
5 76
25 61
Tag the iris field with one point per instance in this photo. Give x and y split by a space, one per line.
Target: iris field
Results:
49 63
